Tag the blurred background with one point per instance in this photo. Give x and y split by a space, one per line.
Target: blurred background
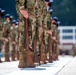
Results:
65 10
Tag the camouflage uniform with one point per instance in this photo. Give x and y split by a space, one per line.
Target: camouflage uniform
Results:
54 34
22 50
1 30
47 36
41 21
56 42
6 33
17 40
13 37
31 6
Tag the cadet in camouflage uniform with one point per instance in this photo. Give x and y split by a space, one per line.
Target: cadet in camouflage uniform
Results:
6 33
32 6
47 28
17 40
54 36
1 29
56 41
13 37
22 50
41 21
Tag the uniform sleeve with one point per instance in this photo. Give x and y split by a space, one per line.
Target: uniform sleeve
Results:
6 30
12 34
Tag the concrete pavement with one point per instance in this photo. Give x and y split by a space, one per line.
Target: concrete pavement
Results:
69 68
11 68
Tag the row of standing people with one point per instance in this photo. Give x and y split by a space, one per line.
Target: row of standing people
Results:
8 37
42 33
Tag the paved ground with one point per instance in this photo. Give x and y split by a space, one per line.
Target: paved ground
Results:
55 68
69 68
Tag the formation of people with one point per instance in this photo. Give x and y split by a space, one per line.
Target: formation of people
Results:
33 40
38 33
8 36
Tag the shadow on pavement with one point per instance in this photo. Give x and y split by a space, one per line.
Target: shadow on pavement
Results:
33 69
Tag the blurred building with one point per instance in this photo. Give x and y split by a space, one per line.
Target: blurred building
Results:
67 36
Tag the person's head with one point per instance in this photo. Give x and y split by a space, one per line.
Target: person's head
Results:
8 17
55 21
13 23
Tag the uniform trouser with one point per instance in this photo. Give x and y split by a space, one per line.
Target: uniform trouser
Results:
46 41
32 30
17 51
22 53
13 52
6 52
53 49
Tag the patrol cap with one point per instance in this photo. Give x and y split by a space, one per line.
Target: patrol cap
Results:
55 18
51 10
17 23
13 21
50 0
7 15
11 17
55 22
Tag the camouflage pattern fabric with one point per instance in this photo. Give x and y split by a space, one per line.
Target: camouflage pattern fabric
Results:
6 33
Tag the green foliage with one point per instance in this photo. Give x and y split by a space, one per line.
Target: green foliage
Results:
9 7
63 9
